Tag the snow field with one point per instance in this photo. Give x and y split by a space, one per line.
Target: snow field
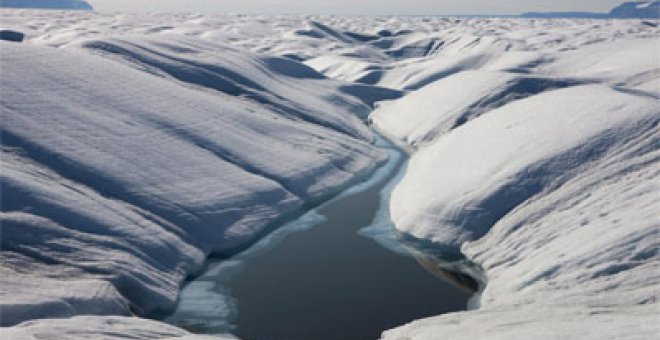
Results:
133 145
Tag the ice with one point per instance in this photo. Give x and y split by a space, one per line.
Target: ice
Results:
100 327
631 65
134 145
543 173
127 179
381 229
485 168
208 295
452 101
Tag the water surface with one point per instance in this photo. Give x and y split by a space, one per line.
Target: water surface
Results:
320 280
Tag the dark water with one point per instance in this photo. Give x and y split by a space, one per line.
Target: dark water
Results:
328 282
331 283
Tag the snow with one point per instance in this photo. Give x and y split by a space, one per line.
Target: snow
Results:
133 145
95 327
631 65
447 103
545 176
579 261
485 168
127 179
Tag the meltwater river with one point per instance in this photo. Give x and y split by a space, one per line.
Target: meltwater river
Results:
335 273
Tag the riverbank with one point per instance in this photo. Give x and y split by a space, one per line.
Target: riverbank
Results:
319 277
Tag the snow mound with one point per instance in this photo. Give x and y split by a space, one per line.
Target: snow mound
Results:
487 167
576 261
289 87
443 105
62 297
125 180
346 68
551 191
109 327
631 65
546 323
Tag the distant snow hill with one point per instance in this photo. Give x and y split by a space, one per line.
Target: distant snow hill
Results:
47 4
627 10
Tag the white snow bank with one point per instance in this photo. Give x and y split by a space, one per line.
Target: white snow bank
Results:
578 262
539 323
116 183
433 110
485 168
552 192
96 327
344 68
288 87
631 64
555 196
54 294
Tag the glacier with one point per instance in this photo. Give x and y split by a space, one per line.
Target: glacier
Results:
135 145
545 175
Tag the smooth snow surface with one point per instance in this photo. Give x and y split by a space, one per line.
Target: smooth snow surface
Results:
485 168
133 145
126 162
95 327
542 167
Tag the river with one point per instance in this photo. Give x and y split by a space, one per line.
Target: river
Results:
321 276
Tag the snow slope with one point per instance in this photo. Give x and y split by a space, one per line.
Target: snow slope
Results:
133 145
578 259
546 177
448 103
487 167
118 182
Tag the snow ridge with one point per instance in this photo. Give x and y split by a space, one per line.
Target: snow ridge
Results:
547 182
125 181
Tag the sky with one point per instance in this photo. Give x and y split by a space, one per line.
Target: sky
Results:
348 7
